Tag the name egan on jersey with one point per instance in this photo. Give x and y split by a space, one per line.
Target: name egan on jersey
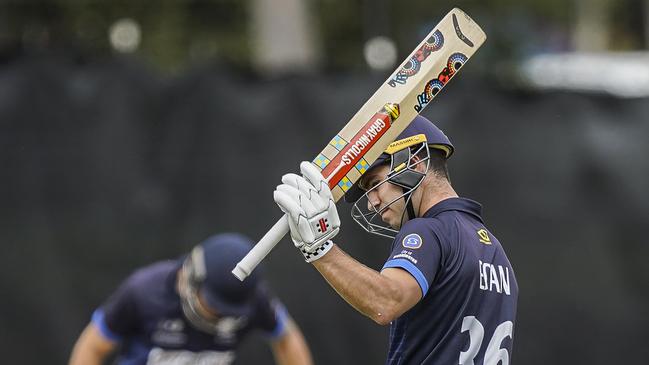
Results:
363 141
494 277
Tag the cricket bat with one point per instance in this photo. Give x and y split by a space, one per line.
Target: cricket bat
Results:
386 114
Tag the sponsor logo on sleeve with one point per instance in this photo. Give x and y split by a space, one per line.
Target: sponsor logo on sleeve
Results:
405 254
412 241
483 236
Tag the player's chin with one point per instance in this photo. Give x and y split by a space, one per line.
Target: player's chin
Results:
394 223
395 226
388 217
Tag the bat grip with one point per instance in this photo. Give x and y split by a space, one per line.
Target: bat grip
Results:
261 249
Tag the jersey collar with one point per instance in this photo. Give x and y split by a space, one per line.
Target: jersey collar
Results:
460 204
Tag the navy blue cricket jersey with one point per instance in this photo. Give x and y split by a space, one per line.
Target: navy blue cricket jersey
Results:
468 308
146 317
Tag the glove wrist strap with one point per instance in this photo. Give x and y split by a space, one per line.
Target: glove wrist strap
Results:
318 253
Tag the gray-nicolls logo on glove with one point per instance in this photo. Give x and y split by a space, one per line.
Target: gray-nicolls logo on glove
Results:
322 225
310 209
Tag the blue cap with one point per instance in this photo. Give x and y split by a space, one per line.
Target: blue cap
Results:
223 291
435 138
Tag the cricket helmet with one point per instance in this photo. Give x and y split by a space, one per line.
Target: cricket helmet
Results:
206 271
417 139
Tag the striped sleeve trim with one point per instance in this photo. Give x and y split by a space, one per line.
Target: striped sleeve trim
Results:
413 270
98 318
282 317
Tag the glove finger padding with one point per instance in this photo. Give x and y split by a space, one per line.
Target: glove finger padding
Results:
314 176
306 188
299 210
291 179
288 202
299 183
308 208
293 211
333 214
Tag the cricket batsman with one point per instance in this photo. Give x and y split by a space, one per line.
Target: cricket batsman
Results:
190 311
447 288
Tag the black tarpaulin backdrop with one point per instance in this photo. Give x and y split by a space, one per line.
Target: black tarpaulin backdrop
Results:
106 166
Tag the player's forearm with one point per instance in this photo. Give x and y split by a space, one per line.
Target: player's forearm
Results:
365 289
82 354
292 348
85 358
90 348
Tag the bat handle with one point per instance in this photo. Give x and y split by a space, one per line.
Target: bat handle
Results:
261 249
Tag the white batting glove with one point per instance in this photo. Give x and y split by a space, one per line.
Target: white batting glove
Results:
310 209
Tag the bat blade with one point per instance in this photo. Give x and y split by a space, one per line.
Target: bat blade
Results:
411 87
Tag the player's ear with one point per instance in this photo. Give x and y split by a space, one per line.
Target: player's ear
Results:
415 162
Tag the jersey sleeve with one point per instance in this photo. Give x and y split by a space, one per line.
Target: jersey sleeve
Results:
116 318
417 250
271 314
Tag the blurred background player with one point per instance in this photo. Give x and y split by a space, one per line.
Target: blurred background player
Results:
190 311
447 288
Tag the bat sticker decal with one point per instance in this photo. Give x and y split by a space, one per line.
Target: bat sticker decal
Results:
432 44
459 33
455 62
352 153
